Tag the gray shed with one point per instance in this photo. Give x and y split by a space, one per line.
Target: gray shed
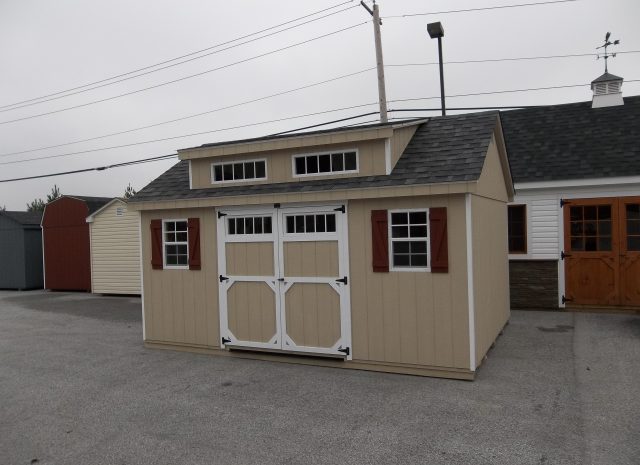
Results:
20 250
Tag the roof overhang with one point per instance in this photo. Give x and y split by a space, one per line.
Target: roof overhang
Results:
565 183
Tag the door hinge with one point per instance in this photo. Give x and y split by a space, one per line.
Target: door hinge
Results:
276 205
563 202
220 214
564 255
344 350
225 340
223 278
340 209
566 299
343 280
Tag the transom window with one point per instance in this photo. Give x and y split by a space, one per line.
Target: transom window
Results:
239 171
176 245
409 237
306 224
326 163
590 228
249 225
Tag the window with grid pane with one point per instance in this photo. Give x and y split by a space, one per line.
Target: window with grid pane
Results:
318 164
409 237
632 213
248 225
239 171
590 228
175 243
307 224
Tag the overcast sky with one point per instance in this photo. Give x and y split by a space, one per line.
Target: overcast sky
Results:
52 46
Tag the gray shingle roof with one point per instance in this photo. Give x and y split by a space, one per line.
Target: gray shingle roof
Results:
573 141
24 218
93 203
444 149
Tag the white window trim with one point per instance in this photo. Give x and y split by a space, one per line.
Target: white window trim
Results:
309 236
329 173
408 239
237 181
164 243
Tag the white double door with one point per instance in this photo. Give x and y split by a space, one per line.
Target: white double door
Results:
284 279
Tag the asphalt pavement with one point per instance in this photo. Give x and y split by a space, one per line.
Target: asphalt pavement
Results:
78 387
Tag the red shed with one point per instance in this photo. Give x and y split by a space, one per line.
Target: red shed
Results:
65 241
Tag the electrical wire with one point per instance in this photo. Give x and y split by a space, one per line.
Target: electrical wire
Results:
171 65
297 44
498 7
215 110
164 139
191 53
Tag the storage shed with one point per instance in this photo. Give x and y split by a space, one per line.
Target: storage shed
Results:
20 250
65 239
379 247
115 249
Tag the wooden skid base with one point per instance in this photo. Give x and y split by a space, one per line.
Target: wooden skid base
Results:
406 369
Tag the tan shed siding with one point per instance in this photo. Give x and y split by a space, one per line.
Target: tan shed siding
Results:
279 164
399 142
317 258
312 314
250 259
115 251
492 182
491 271
181 306
409 317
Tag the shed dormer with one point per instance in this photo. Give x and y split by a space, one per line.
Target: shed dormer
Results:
607 91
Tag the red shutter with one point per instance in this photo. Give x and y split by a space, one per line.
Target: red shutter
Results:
380 240
439 247
156 244
194 243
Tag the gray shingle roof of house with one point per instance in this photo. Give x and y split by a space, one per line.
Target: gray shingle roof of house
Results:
573 141
24 218
93 203
444 149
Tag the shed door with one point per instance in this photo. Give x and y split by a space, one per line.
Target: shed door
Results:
284 279
602 242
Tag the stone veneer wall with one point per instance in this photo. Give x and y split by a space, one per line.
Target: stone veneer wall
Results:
534 284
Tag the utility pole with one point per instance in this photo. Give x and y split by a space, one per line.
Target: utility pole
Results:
382 93
436 31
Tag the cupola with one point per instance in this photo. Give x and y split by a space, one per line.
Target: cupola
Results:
607 91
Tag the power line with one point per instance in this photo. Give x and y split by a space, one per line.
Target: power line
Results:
133 144
297 44
500 92
493 60
192 53
235 105
4 109
478 9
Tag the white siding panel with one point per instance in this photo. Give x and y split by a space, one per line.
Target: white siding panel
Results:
543 229
115 251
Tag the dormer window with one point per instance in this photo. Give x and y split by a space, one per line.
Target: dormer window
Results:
319 164
235 171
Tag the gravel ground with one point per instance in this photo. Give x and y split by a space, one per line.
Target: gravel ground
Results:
78 387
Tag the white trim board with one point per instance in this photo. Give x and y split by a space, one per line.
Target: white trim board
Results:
559 185
470 293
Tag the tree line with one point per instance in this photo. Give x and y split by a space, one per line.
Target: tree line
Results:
38 204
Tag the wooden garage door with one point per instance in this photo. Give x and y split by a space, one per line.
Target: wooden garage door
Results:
602 251
284 279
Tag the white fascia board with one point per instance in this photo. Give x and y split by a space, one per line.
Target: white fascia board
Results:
559 185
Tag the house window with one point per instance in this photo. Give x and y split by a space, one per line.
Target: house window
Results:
325 163
175 243
249 225
239 171
409 239
308 224
517 224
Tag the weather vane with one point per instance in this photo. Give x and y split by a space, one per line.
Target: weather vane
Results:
606 55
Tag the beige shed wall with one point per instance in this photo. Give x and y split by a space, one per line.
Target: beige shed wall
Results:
181 306
492 181
400 140
416 318
371 161
115 251
490 271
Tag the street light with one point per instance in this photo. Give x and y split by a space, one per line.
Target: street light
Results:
436 31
